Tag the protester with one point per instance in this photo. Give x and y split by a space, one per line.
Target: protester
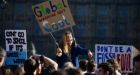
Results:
69 51
136 65
68 65
2 56
72 71
115 65
38 64
19 70
30 66
2 59
83 66
91 68
105 69
8 71
58 72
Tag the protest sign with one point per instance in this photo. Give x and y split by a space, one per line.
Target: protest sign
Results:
53 15
122 53
16 46
15 57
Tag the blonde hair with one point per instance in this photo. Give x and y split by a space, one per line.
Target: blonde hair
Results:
66 47
115 63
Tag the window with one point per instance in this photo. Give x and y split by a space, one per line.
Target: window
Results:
81 32
82 11
20 8
122 11
120 30
102 11
101 29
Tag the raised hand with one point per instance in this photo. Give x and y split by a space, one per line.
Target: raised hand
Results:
90 55
58 52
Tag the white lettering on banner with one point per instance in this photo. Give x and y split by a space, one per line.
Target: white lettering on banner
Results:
55 26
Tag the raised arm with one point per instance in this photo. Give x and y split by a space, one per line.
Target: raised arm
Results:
46 60
49 61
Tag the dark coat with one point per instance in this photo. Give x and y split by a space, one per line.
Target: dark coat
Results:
76 50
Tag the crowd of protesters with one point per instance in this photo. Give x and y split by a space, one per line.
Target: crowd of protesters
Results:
66 62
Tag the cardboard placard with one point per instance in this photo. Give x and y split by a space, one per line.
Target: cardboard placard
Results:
53 15
16 46
122 53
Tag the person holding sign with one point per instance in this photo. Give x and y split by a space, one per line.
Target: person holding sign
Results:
69 51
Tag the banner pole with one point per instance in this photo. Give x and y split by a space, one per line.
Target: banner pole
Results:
54 40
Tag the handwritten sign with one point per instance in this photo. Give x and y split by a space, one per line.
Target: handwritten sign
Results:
122 53
16 46
53 15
